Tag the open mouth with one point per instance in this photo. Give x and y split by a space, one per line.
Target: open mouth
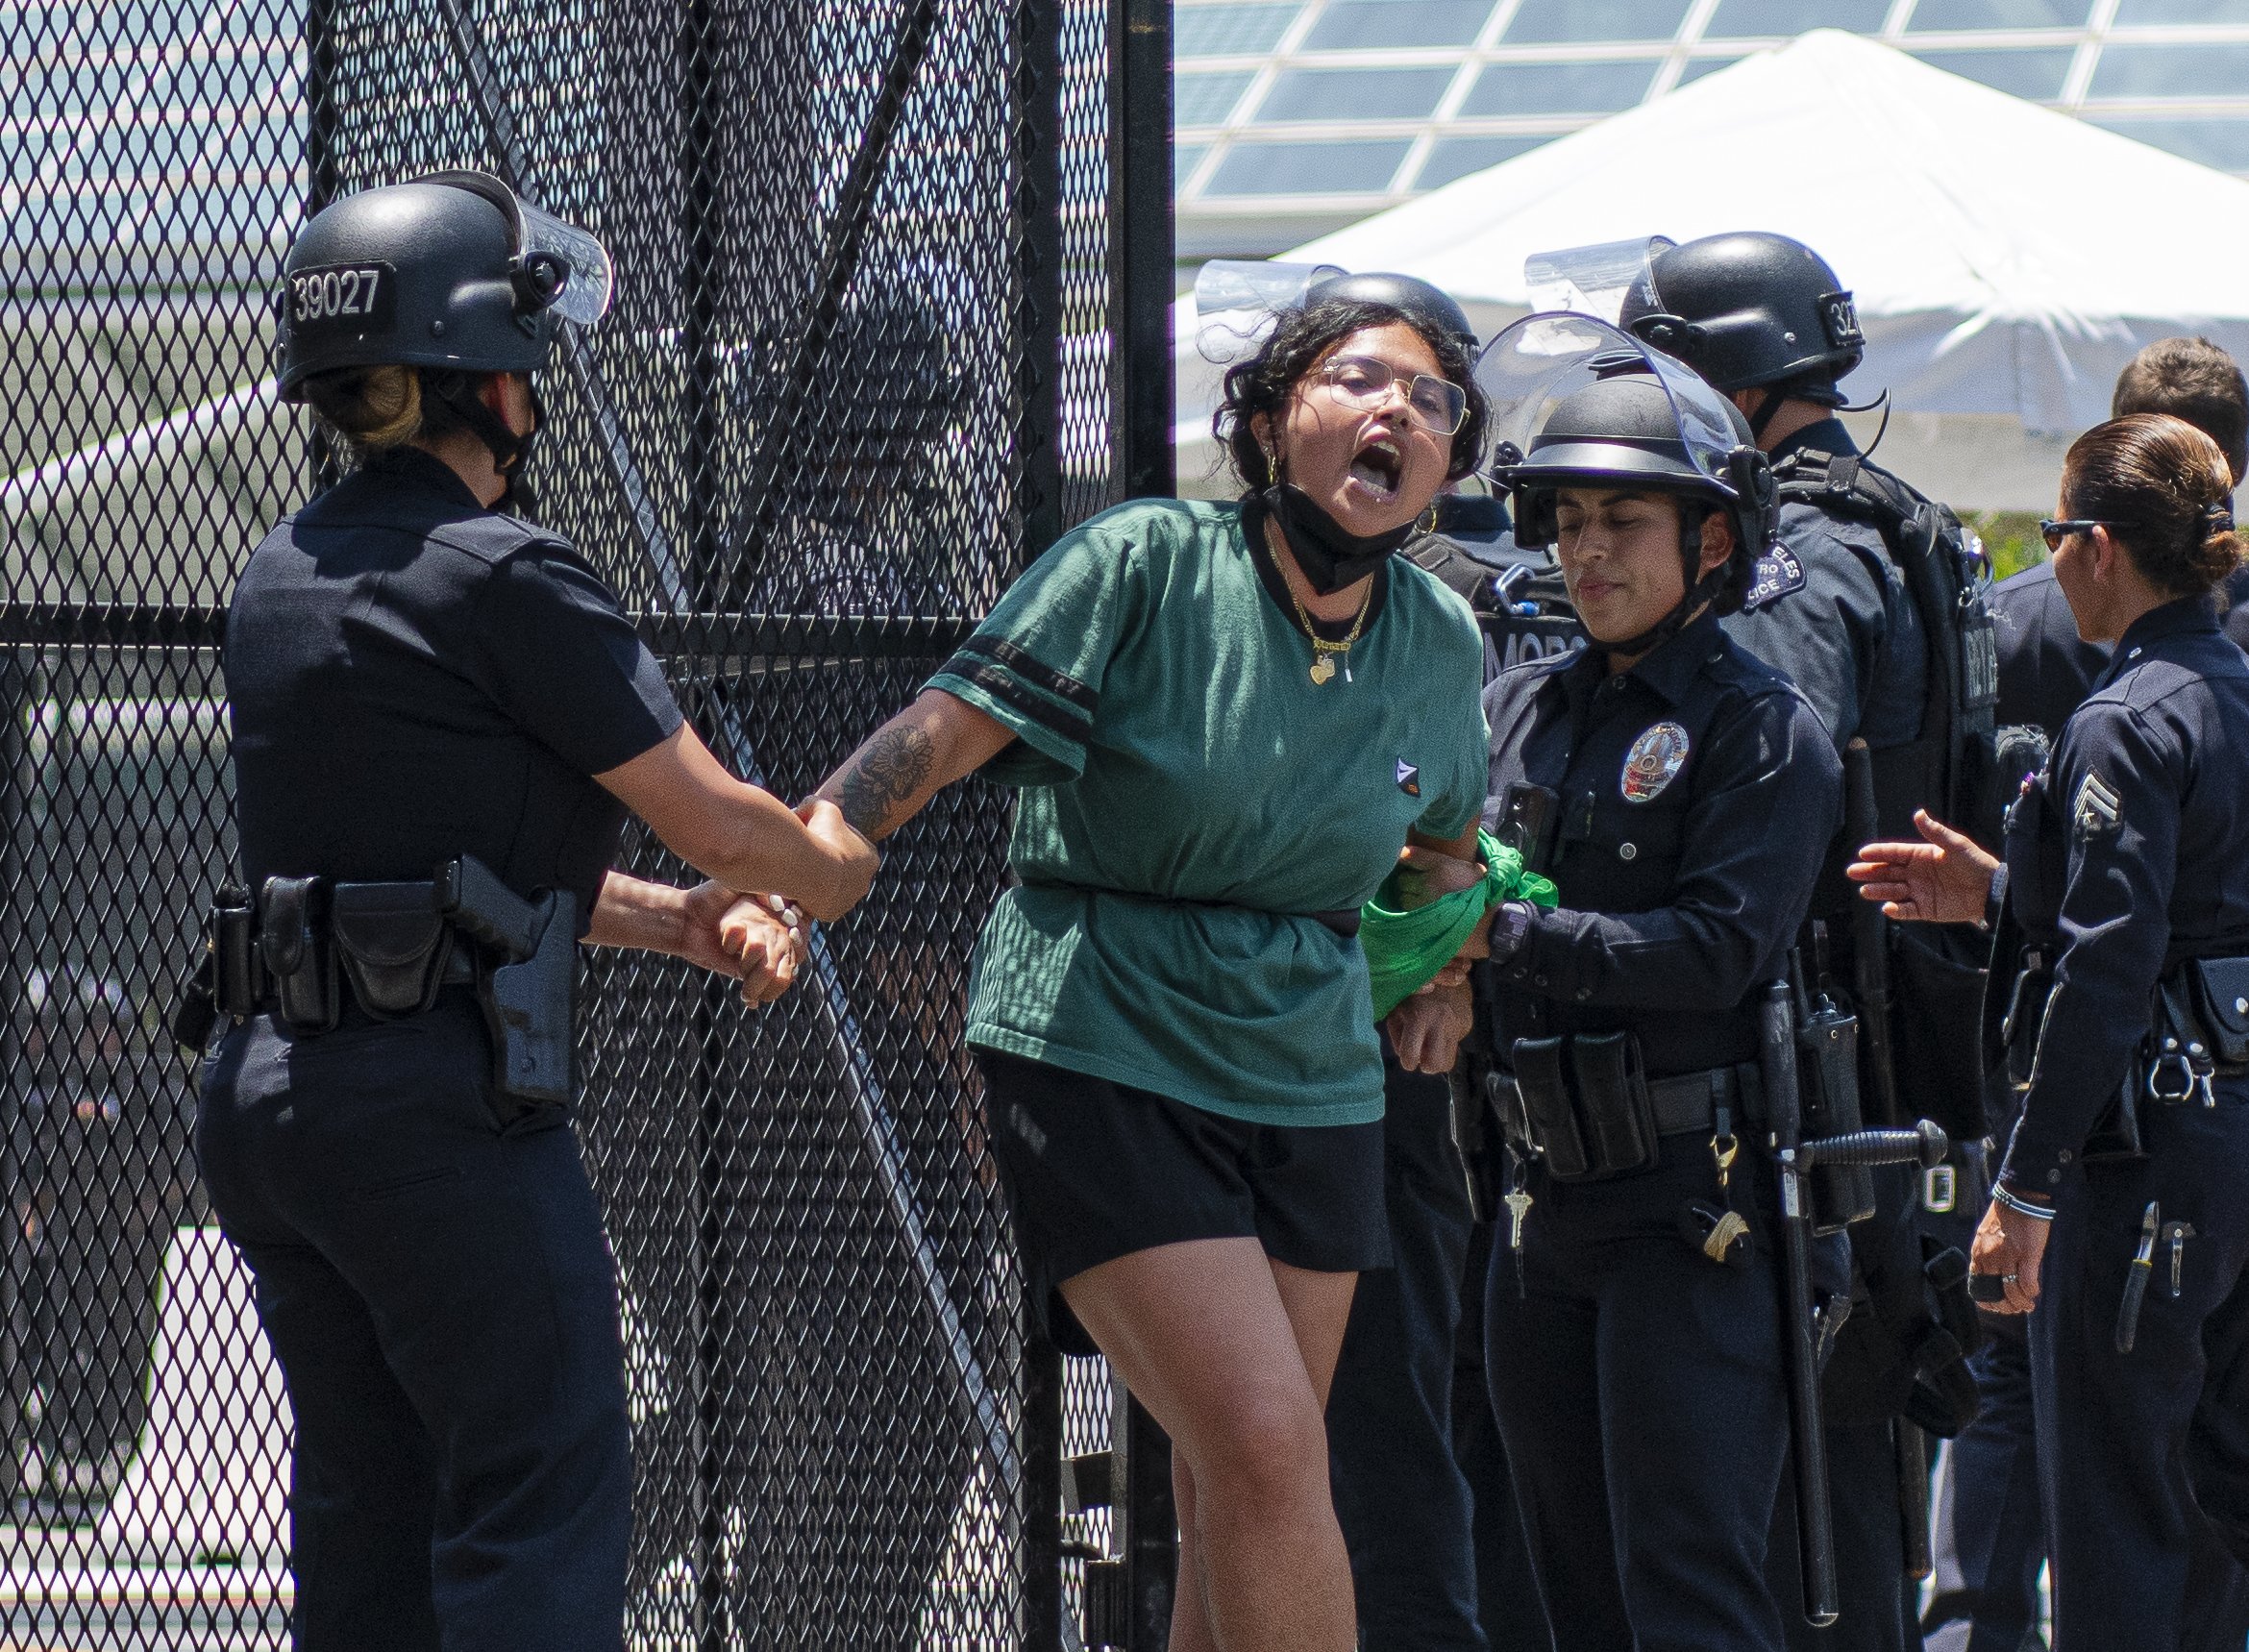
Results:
1379 467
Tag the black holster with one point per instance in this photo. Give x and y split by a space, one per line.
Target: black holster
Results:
1585 1104
300 961
393 945
530 1005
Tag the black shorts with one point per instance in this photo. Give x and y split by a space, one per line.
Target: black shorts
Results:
1096 1171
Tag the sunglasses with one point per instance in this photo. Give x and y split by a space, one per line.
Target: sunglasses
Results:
2054 532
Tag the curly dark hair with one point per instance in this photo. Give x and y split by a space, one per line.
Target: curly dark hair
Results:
1298 342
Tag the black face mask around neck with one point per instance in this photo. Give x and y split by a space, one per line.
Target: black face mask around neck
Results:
1330 556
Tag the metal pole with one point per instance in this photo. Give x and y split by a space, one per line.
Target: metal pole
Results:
1141 257
16 1080
1142 245
1036 212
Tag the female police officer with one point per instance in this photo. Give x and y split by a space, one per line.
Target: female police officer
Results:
417 682
1680 794
2121 1214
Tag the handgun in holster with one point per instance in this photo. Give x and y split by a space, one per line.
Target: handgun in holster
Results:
526 981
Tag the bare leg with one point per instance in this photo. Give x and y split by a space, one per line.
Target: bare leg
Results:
1231 1353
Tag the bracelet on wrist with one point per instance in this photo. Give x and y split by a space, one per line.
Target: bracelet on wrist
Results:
2019 1205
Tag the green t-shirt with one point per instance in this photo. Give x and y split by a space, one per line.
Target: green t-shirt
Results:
1174 745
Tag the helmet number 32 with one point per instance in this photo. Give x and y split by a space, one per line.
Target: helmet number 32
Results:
355 295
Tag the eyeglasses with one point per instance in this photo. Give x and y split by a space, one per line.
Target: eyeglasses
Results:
2054 532
1438 406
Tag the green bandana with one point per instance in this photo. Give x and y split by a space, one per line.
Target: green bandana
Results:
1405 948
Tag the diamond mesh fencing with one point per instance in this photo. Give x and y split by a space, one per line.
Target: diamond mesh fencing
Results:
857 372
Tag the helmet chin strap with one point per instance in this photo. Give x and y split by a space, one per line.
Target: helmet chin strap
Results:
457 396
1769 408
1701 589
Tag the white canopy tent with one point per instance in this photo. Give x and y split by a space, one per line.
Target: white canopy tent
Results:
2006 260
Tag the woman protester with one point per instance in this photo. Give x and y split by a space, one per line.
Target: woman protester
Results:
1679 794
1225 721
440 718
2120 1218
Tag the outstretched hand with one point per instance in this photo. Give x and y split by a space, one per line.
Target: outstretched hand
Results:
1945 878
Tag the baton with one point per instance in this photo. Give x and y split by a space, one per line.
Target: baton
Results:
1814 1520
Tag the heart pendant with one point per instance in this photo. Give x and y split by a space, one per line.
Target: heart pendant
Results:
1323 669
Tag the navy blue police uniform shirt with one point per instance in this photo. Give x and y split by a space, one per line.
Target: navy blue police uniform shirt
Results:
414 677
1698 793
2129 853
1828 608
2045 668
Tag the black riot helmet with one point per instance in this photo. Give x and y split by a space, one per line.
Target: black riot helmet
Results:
1431 305
451 271
1578 403
1749 309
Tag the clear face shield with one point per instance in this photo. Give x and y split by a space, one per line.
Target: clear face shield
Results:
1595 280
1543 360
555 266
1236 301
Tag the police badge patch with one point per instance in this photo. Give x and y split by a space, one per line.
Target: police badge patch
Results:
1777 573
2098 810
1656 757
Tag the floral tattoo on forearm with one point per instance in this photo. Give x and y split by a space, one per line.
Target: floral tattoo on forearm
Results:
885 773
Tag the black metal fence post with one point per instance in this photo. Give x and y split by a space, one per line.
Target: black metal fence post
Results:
1036 303
1142 244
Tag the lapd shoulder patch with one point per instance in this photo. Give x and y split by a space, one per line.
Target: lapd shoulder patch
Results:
2098 810
1777 573
1655 760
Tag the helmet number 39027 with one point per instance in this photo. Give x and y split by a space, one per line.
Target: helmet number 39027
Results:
359 297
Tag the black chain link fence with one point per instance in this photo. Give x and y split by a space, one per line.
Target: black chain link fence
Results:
859 368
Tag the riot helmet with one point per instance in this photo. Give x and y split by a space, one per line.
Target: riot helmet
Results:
1577 403
1431 305
1750 309
449 271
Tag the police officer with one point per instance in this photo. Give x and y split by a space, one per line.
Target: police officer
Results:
1990 1545
2120 1215
1632 1314
419 682
1862 603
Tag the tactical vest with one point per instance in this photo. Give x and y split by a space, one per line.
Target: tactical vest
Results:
1951 768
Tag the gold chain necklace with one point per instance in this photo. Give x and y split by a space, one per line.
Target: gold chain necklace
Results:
1324 654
